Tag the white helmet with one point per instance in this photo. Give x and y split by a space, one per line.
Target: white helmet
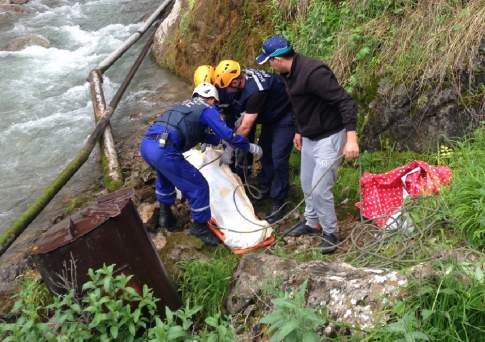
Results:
206 90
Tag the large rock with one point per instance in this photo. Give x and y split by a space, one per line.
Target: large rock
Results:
419 118
253 273
356 296
149 215
21 43
13 8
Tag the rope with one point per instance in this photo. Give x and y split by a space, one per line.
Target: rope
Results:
363 251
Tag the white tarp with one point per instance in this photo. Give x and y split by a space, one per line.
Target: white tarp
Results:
223 202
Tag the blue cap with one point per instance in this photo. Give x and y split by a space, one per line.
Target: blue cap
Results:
274 46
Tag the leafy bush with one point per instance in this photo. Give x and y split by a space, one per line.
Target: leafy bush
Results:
177 325
109 310
290 320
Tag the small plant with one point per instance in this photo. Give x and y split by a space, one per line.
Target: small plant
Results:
217 329
290 320
109 310
176 326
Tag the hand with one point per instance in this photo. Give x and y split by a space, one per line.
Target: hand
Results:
297 141
226 156
203 147
351 148
256 151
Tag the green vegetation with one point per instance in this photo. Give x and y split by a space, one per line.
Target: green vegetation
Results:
291 321
109 310
205 283
464 202
398 39
448 305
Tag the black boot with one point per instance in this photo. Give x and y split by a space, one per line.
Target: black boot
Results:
277 212
329 243
202 231
166 219
303 229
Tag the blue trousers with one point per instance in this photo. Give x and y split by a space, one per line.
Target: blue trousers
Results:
174 171
276 140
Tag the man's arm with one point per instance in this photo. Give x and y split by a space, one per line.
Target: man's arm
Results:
254 106
211 117
323 83
247 123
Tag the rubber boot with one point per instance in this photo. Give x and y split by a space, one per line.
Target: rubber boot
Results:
202 231
166 218
277 212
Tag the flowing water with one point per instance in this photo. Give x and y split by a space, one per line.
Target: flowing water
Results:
45 108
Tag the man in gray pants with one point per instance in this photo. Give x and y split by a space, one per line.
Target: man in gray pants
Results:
326 117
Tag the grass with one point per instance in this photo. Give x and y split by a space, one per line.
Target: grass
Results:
424 45
205 283
464 202
447 305
33 292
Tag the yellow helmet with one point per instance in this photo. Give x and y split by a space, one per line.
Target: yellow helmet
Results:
203 74
225 72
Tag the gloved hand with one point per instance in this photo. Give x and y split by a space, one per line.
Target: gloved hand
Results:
256 151
226 157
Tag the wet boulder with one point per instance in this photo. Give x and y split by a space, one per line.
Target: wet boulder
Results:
9 7
356 296
149 214
22 42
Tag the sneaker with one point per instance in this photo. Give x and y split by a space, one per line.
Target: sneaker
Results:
202 231
328 243
276 213
166 219
303 229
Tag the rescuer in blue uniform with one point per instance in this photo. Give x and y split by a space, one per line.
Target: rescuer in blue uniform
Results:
253 96
178 130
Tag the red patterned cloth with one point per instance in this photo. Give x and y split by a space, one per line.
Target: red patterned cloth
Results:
383 193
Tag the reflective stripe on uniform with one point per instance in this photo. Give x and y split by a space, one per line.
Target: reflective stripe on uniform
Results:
164 194
200 209
256 79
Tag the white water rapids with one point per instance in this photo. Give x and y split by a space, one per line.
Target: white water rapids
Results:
45 108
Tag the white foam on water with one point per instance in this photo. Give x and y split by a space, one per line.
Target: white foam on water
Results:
46 110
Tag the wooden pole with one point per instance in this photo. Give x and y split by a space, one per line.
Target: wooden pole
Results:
19 225
112 175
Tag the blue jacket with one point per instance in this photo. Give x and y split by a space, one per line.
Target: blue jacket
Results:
194 121
277 104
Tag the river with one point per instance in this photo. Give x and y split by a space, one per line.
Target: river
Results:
45 108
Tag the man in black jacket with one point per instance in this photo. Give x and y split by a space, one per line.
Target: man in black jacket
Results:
326 117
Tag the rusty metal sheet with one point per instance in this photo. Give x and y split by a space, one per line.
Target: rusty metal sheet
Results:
109 231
